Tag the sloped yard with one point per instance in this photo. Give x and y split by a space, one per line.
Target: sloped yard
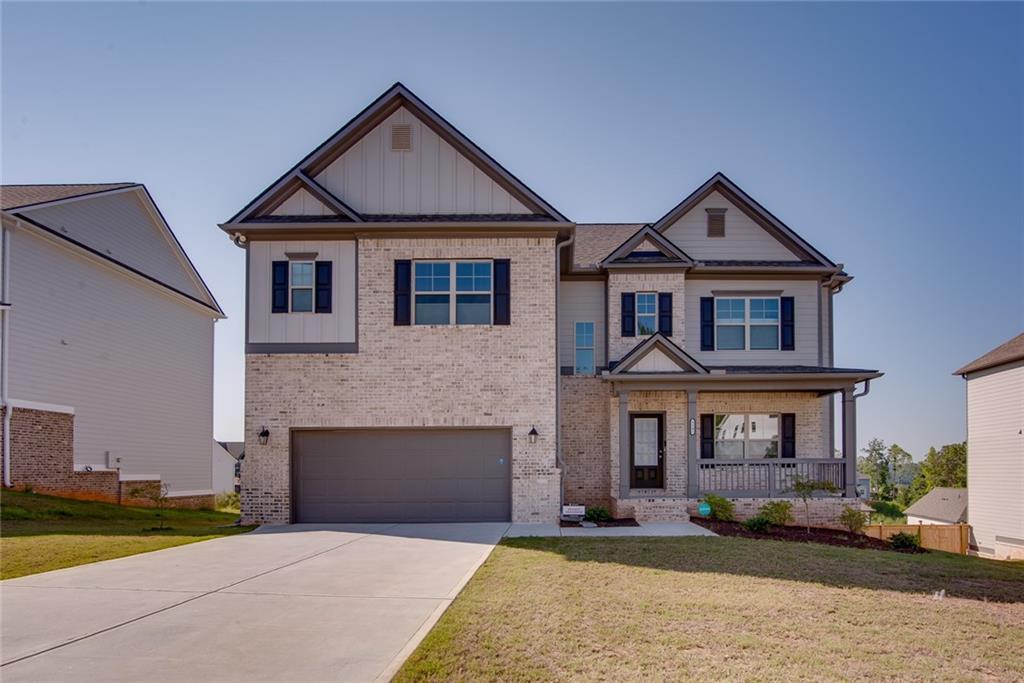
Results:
40 533
726 609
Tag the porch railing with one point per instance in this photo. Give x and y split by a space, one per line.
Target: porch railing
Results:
767 477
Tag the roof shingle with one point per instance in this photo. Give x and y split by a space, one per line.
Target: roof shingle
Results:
16 196
594 241
941 504
1008 352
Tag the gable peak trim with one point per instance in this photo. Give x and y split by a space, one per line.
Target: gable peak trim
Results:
687 363
648 233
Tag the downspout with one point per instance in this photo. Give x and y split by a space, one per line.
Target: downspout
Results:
558 375
5 331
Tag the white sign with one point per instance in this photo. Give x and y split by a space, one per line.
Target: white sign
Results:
574 510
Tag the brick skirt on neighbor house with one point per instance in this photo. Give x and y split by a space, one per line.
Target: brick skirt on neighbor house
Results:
43 461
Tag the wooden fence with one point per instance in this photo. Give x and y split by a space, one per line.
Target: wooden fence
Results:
950 538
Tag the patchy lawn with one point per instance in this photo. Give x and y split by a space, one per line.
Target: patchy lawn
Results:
41 533
726 609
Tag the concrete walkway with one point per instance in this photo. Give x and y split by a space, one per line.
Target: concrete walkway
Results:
296 603
645 529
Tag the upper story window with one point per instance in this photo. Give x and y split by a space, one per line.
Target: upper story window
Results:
584 348
300 285
646 313
440 298
742 323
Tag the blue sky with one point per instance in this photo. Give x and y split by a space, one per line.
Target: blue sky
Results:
891 136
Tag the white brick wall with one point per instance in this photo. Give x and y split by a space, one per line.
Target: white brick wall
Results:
419 376
619 282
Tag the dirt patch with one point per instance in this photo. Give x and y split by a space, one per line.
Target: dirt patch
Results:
799 534
625 521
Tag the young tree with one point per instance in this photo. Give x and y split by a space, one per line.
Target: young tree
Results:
805 489
875 465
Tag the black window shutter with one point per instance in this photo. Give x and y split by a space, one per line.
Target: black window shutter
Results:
707 435
707 323
323 287
665 313
279 287
403 292
628 314
502 291
788 324
788 435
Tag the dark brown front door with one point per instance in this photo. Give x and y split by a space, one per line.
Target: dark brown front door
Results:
647 446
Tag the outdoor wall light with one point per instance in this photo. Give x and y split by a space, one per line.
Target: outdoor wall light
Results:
533 434
693 426
264 435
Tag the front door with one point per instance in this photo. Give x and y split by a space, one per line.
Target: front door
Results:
647 436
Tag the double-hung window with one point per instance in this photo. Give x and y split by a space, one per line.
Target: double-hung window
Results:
646 313
746 436
300 285
584 357
441 298
746 323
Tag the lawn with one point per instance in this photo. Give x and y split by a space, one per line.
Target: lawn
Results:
41 533
726 609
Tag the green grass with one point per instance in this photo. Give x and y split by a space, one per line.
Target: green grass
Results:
726 609
41 533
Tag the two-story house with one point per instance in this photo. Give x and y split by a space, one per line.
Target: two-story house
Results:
427 339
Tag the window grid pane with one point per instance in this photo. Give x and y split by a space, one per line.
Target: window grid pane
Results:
302 274
302 300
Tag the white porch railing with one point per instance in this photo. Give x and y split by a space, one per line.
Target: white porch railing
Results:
766 477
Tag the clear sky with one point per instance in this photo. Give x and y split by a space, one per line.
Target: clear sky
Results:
890 136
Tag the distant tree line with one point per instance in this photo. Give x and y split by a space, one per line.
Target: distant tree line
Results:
896 477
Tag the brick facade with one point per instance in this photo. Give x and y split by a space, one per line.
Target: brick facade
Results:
585 402
619 282
419 376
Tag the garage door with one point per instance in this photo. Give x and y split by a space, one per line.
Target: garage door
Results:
402 475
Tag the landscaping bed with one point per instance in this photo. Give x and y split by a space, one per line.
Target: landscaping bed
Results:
798 534
625 521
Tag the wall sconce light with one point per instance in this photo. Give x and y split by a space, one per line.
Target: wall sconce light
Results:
693 426
533 434
264 435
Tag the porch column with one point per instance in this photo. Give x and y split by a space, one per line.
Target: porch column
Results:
692 456
624 444
850 441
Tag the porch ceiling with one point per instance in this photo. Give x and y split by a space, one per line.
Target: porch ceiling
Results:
824 380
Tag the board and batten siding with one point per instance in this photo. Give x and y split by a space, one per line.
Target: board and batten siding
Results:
431 178
995 459
580 301
338 326
805 301
120 226
134 361
744 239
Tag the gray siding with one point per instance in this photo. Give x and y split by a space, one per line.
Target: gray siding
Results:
134 361
338 326
121 226
744 239
995 456
580 301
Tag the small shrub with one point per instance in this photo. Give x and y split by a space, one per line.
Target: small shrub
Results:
777 512
722 509
228 501
853 519
758 524
904 541
597 514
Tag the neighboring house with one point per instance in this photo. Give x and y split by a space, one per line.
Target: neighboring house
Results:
995 450
237 451
427 339
107 347
225 469
939 506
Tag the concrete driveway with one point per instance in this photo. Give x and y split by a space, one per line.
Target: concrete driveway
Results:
296 603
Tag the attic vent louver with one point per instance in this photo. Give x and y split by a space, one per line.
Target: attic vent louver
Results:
401 137
716 222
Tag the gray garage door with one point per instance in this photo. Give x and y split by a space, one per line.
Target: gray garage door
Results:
402 475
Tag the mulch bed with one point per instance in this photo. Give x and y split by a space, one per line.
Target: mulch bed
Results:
799 534
625 521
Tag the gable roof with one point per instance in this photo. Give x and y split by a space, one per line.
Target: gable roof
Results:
658 341
21 196
941 504
397 96
44 199
669 252
1006 352
722 184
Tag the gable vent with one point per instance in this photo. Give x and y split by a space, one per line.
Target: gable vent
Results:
716 222
401 137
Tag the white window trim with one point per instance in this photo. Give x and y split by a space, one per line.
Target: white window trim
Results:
311 287
747 322
452 292
592 348
746 434
636 313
